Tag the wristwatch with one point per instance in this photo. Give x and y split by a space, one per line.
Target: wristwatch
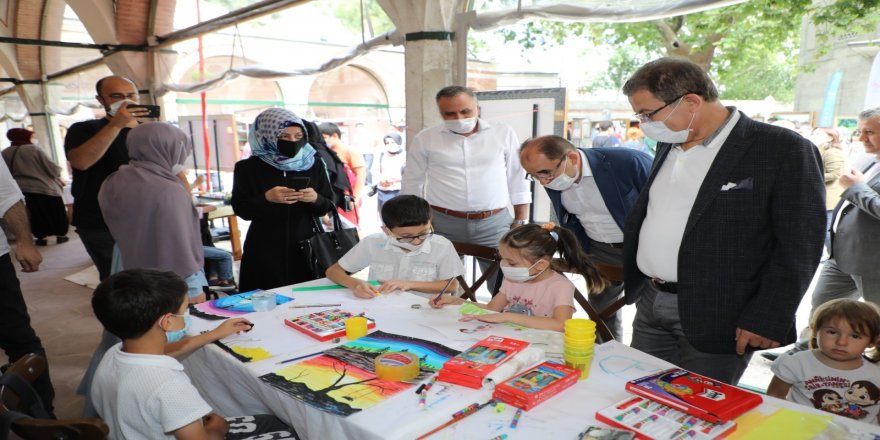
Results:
518 222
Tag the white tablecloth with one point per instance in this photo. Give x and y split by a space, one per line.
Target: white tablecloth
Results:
233 388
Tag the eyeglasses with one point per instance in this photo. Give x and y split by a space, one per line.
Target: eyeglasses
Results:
121 96
646 117
411 238
545 174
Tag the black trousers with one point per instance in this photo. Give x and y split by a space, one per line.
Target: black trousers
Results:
17 337
99 245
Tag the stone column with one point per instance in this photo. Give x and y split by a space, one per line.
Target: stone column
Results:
429 53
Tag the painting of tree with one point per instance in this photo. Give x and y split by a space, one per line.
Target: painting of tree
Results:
343 380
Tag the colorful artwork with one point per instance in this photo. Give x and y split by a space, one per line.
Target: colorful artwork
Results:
231 306
343 380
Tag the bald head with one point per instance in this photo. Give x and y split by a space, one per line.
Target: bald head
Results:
543 157
115 88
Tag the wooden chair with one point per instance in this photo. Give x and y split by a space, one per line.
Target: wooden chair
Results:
478 252
20 408
611 274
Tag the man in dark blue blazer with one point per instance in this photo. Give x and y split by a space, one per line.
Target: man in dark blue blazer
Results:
727 234
592 191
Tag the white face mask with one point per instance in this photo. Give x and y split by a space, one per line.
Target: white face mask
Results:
461 126
176 169
660 132
115 106
563 181
520 274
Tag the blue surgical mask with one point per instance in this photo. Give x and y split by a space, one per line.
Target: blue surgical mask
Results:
176 335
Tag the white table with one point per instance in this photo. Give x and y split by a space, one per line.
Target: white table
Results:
233 387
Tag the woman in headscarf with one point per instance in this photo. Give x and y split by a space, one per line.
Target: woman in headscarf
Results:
40 181
149 210
280 189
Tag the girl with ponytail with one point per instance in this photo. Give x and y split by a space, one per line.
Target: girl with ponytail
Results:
534 292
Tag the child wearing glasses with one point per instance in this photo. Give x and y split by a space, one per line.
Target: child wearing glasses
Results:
406 257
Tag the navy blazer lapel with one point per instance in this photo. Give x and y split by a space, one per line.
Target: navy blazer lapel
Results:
728 158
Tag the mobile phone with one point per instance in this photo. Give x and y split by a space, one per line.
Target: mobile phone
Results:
153 109
297 183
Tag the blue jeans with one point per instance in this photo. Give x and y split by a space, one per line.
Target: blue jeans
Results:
218 263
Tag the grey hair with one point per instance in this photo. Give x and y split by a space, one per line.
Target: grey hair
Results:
870 113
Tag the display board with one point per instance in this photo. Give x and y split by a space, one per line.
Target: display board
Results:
531 113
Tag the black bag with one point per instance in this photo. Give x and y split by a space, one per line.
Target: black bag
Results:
324 248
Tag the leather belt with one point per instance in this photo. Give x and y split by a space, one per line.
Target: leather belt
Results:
665 286
611 245
478 215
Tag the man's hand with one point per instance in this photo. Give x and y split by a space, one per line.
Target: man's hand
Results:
851 178
28 255
128 118
745 338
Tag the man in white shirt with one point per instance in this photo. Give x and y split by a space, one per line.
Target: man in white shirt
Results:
17 337
726 236
468 170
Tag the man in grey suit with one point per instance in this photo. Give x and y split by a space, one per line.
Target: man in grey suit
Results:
852 271
728 231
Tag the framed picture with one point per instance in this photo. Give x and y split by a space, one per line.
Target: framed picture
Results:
800 119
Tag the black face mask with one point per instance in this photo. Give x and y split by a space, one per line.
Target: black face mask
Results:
290 148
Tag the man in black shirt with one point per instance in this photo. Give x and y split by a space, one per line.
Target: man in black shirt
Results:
96 149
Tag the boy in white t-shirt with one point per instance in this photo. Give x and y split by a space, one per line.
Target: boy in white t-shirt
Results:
140 392
408 256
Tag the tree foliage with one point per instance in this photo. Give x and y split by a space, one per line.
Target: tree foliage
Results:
751 47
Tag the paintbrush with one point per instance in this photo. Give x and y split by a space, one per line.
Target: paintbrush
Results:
455 419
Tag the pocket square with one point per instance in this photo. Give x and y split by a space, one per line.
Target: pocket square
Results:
746 183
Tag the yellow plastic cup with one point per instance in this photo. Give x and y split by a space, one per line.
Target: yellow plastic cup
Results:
355 327
580 341
578 352
581 363
579 323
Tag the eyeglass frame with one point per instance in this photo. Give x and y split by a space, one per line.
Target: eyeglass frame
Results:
647 117
546 174
409 239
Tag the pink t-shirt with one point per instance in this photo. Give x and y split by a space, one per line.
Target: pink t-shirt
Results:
538 298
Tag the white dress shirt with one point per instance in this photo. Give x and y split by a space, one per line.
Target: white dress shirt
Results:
9 196
585 201
479 172
670 200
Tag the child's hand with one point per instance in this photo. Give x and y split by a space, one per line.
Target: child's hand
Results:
365 290
496 318
198 299
232 326
215 424
444 300
392 285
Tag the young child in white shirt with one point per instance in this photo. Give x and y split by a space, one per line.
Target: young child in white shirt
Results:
834 376
138 390
406 257
534 293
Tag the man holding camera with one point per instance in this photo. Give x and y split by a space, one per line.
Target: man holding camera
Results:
96 149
